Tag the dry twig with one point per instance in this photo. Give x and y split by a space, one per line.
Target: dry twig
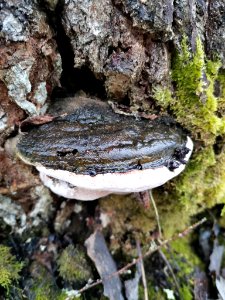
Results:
144 281
148 253
156 213
170 270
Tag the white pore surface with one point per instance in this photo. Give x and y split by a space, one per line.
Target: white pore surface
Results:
102 184
65 189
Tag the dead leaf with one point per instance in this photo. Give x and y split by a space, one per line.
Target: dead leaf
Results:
35 121
216 259
97 250
131 285
220 284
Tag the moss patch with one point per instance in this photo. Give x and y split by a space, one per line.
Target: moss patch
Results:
73 266
193 102
9 268
42 285
128 220
196 97
183 261
152 293
186 262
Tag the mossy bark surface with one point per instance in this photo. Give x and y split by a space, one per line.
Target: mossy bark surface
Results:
150 57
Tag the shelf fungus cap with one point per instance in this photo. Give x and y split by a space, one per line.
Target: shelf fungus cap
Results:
93 152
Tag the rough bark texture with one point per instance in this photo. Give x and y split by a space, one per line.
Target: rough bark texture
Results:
132 52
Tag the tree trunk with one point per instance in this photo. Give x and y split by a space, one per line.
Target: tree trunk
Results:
155 57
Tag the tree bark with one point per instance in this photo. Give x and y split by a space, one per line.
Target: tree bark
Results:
119 50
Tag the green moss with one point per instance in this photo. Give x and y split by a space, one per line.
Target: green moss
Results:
128 220
73 265
42 285
48 291
43 288
193 102
152 293
127 215
9 267
196 81
192 184
200 186
183 261
183 249
186 293
163 96
221 100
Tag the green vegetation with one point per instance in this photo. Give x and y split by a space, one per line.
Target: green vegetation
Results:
152 293
194 103
43 285
196 98
127 215
9 268
198 104
183 262
73 266
186 261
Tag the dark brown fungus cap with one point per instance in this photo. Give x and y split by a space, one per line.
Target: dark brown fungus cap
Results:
94 142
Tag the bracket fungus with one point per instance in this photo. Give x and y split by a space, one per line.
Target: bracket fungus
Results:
94 151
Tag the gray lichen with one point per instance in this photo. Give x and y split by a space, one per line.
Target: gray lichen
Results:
40 97
155 17
19 86
3 120
31 62
18 83
215 33
14 20
13 28
89 23
43 206
40 94
12 213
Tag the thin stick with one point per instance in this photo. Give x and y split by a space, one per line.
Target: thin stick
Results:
144 281
156 213
148 253
159 240
170 270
